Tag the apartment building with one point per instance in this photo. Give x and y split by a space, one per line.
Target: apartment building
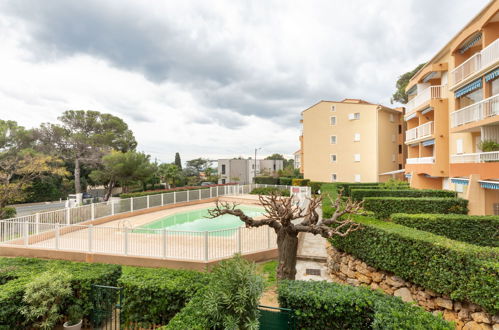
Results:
352 140
453 116
242 171
297 159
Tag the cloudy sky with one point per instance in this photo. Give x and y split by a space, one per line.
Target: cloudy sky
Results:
212 78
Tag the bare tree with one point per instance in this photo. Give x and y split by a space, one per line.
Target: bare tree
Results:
279 214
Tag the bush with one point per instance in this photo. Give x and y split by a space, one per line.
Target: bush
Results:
463 271
479 230
8 212
323 305
359 194
300 182
285 181
269 191
329 191
266 180
315 186
155 295
383 207
347 186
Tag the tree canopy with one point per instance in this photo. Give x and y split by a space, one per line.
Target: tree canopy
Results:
400 95
178 162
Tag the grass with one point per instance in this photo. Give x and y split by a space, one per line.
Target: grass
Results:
268 271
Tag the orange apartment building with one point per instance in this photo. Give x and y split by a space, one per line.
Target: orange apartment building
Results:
452 116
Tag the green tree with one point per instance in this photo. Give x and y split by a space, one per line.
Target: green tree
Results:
400 95
178 162
84 137
198 164
171 174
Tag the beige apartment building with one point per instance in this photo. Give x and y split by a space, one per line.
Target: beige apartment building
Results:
351 141
453 116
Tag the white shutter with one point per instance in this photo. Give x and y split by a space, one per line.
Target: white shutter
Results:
356 157
459 146
356 137
357 177
351 116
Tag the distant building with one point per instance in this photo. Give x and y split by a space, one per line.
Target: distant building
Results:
297 160
242 171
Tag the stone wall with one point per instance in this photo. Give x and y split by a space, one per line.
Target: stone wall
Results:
346 269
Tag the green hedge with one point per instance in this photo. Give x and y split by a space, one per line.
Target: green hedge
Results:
269 191
315 186
8 212
480 230
359 194
323 305
383 207
155 295
300 182
266 180
347 186
463 271
285 181
16 273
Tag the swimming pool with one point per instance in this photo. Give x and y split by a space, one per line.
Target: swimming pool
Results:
196 220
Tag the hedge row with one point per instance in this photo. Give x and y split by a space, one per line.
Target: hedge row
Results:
300 182
480 230
359 194
16 273
383 207
266 180
164 191
323 305
463 271
347 186
155 295
269 191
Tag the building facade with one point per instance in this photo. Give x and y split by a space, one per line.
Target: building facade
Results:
453 116
352 140
242 171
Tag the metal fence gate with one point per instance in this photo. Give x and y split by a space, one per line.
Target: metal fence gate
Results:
274 318
107 305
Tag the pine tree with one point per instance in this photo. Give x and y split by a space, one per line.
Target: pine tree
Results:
178 162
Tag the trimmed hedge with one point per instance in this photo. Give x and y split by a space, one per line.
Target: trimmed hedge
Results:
269 191
285 181
323 305
359 194
16 273
383 207
465 272
155 295
479 230
315 186
347 186
300 182
266 180
164 191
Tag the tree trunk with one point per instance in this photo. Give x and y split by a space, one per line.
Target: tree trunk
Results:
77 176
109 191
287 244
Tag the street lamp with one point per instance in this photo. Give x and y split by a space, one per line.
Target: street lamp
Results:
254 175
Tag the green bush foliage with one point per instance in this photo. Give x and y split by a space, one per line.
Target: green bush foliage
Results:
285 181
266 180
347 186
17 273
395 184
473 229
164 191
269 191
155 295
8 212
383 207
300 182
323 305
329 191
463 271
359 194
315 186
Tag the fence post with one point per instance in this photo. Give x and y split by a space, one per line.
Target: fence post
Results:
26 233
92 211
68 215
131 204
211 192
37 223
199 193
187 192
90 237
206 246
225 190
174 197
163 233
162 199
147 201
57 234
239 240
125 240
112 207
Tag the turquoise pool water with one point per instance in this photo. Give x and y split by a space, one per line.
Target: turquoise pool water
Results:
196 220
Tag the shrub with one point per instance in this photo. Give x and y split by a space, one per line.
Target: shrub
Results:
269 191
266 180
8 212
395 184
323 305
463 271
383 207
315 186
359 194
480 230
300 182
154 296
285 181
329 191
346 186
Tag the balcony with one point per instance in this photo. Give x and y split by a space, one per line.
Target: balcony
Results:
476 63
420 132
476 112
420 160
479 157
431 92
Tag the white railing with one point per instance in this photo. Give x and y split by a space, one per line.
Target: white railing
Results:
476 112
431 92
421 160
479 61
419 132
479 157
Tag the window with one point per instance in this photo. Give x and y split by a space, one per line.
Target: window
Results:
354 116
459 146
356 137
223 181
274 167
400 148
333 158
459 188
400 129
333 108
392 117
333 177
223 168
400 166
333 139
357 177
333 120
356 157
471 98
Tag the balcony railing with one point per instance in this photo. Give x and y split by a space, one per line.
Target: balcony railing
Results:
479 61
479 157
420 132
431 92
421 160
476 112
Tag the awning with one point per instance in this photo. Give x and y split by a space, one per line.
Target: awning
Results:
489 184
428 143
429 76
460 181
431 176
492 75
470 43
393 172
412 115
412 90
426 110
469 88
